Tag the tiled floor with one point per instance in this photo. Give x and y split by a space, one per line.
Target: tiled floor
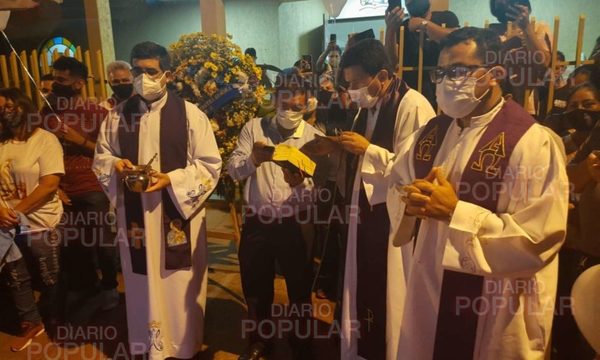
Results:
106 335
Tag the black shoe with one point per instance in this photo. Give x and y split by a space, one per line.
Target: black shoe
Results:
255 351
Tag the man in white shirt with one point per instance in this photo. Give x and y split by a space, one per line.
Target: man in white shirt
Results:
278 201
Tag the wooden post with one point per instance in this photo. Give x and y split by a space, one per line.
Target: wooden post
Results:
26 80
79 56
101 74
401 53
14 70
45 65
4 71
236 224
35 71
580 33
382 36
90 79
486 24
420 64
553 65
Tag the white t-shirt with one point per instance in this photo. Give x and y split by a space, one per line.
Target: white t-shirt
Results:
22 164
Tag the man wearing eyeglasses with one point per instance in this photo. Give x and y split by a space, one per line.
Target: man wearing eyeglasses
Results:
161 228
279 204
490 188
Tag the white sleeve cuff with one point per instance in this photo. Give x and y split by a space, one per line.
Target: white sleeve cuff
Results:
468 218
375 160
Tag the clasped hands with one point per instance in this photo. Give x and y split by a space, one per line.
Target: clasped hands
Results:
432 197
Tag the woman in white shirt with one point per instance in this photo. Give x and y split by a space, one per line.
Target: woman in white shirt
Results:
31 165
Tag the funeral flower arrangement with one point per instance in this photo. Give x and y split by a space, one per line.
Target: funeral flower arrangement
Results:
213 73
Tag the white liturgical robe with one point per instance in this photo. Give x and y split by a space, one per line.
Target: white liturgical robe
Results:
372 173
165 308
514 249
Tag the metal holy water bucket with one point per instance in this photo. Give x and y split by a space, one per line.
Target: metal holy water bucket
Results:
137 179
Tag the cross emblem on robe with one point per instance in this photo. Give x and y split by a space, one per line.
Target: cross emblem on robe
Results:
370 319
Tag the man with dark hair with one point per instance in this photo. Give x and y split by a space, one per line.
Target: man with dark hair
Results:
252 53
161 228
493 216
526 51
46 84
277 201
434 24
561 90
120 80
389 112
76 121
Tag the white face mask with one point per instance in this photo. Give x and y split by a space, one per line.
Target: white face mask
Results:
289 119
457 97
363 98
148 88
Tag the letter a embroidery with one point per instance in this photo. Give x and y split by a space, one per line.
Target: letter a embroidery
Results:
490 155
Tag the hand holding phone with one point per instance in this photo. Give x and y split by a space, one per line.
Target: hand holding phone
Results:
261 153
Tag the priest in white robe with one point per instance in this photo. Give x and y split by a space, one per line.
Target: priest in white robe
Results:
493 217
389 112
164 251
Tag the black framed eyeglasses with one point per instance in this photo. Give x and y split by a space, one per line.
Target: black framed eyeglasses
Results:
136 71
456 72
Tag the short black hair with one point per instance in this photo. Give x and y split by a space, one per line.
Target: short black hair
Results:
75 67
370 55
585 86
512 2
47 77
251 52
560 56
488 43
591 70
151 50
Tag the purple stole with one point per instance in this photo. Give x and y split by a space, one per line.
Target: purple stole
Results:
456 332
173 155
373 232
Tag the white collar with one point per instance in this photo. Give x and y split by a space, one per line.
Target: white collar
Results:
156 105
482 120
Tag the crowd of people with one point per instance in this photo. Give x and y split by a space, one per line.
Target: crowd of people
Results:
438 217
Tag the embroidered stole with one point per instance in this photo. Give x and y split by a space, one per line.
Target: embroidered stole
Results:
173 155
456 331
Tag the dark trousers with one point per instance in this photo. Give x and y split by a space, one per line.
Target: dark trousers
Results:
38 268
87 235
567 341
329 232
371 277
263 244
